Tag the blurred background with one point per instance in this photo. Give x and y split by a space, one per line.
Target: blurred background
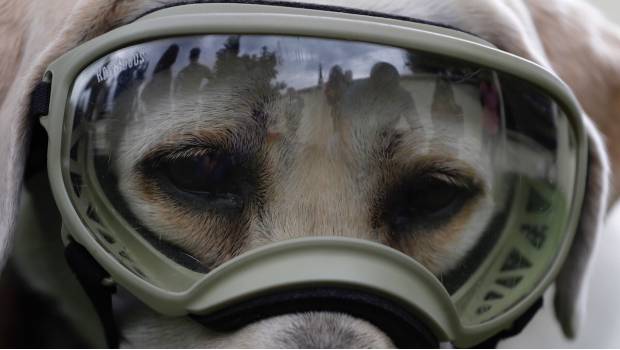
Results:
601 325
611 8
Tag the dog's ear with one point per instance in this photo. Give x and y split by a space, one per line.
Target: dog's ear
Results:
32 35
583 48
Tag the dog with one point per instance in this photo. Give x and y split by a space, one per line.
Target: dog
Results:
535 30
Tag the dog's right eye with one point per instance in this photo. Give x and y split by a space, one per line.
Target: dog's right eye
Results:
207 174
217 180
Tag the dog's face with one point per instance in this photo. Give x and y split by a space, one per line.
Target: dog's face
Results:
224 169
221 166
222 172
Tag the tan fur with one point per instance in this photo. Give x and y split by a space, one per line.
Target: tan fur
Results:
12 16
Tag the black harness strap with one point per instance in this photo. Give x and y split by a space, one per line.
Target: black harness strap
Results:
92 278
89 273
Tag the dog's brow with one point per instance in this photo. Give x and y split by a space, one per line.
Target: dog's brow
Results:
238 138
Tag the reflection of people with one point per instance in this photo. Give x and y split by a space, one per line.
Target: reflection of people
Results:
159 87
190 78
372 105
334 91
489 97
385 80
127 84
97 96
444 104
335 87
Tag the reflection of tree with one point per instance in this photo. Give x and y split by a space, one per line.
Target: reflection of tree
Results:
258 70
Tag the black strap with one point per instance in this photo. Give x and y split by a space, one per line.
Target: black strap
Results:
402 326
91 276
40 99
515 329
39 106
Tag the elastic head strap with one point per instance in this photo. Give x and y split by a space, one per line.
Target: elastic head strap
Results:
515 329
94 280
401 326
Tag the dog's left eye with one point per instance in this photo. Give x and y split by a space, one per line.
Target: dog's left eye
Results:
425 203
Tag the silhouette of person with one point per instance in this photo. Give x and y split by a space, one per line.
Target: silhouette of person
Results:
335 87
378 103
157 90
190 79
126 90
444 103
445 111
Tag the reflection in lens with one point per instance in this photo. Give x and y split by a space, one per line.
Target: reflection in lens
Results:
432 156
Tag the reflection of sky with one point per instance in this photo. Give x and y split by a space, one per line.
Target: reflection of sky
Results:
298 57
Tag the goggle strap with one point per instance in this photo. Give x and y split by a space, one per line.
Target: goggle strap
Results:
517 327
40 99
92 278
398 323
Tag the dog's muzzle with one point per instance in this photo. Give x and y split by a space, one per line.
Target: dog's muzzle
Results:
401 326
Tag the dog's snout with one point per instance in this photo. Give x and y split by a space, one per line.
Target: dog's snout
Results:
314 330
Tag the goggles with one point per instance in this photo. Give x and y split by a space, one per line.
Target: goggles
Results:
209 154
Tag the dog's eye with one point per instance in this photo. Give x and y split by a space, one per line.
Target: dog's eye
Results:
217 180
425 203
206 174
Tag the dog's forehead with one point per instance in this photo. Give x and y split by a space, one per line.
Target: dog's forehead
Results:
506 24
207 118
423 9
447 12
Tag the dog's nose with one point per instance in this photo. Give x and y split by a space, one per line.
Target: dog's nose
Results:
323 330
